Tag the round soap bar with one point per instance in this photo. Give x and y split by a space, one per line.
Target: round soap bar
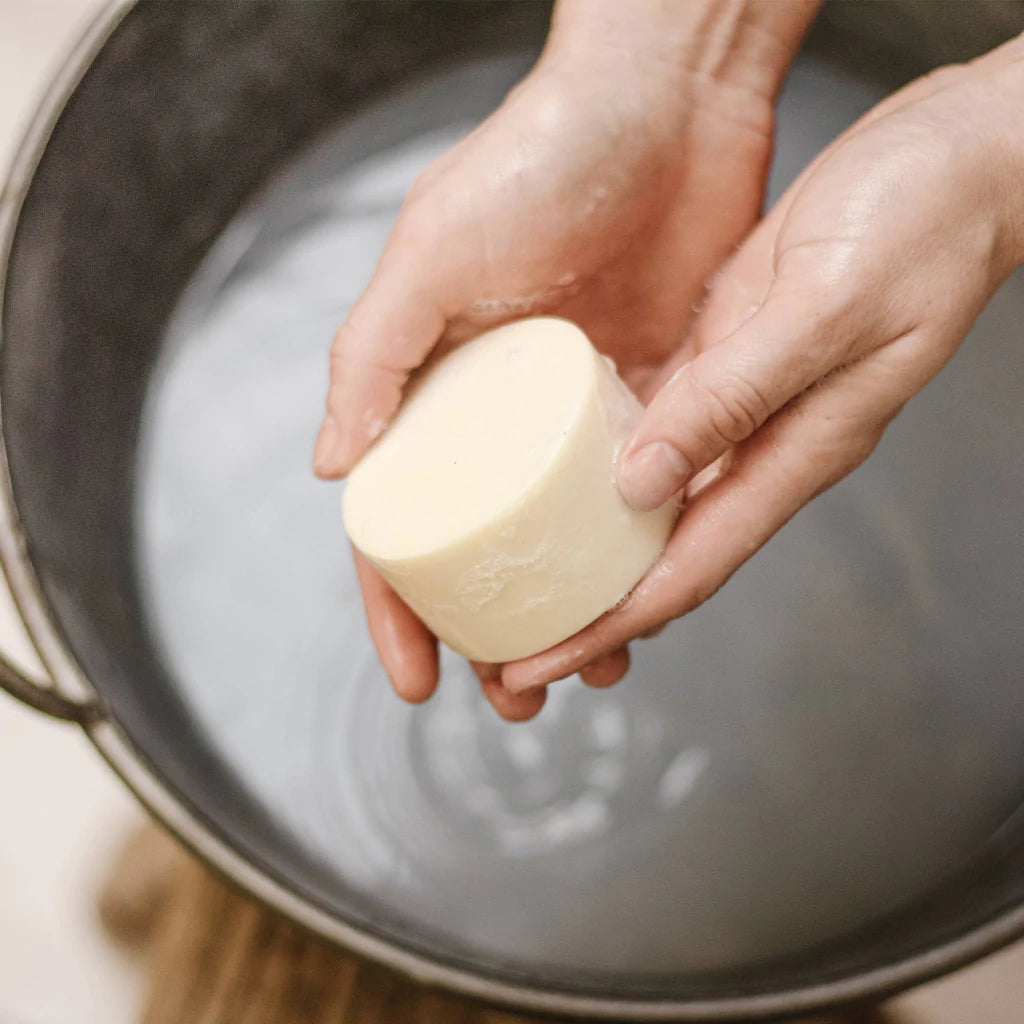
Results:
490 503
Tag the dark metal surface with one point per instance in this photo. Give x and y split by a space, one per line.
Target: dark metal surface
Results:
41 697
187 110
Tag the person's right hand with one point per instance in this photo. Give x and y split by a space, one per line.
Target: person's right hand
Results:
853 292
606 189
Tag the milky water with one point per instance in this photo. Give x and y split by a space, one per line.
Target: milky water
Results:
830 736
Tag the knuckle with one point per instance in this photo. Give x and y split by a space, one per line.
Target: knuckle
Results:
945 76
353 350
695 596
415 223
734 408
863 446
705 592
853 453
342 342
421 216
421 187
351 344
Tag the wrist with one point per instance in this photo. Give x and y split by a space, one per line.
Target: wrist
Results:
992 101
743 45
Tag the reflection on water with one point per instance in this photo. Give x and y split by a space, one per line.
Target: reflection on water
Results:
834 732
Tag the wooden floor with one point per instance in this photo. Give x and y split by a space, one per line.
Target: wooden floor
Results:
245 964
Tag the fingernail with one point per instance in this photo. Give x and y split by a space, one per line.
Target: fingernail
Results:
650 476
326 441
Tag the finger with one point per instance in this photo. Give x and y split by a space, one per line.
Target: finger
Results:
802 451
744 359
741 287
735 293
514 707
407 649
390 331
731 388
606 670
486 671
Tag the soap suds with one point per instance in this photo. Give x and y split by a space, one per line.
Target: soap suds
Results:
485 581
544 301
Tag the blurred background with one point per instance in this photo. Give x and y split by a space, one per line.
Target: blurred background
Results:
64 816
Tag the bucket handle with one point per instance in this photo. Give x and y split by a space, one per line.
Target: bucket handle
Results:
17 581
44 698
38 694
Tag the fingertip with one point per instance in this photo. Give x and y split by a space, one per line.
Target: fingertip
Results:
388 333
345 437
650 475
606 670
407 649
514 707
325 462
414 689
410 658
410 661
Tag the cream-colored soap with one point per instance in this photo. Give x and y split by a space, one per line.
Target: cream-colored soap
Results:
490 503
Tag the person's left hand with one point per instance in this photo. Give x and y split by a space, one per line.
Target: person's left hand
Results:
846 300
607 188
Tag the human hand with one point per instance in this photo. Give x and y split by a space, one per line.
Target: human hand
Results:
606 189
847 299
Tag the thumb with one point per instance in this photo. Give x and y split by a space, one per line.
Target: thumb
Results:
734 385
389 332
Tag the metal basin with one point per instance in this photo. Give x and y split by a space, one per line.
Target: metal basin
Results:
805 793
